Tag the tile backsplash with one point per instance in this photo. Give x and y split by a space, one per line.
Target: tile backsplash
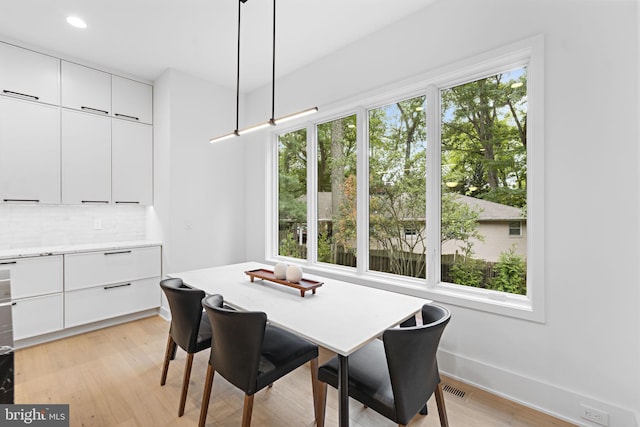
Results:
26 226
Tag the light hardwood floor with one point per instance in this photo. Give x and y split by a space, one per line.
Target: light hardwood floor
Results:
111 377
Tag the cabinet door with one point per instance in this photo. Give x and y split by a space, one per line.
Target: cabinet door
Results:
37 316
86 89
86 158
29 151
34 276
132 150
29 75
131 100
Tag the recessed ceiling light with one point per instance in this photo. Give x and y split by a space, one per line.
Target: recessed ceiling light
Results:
76 22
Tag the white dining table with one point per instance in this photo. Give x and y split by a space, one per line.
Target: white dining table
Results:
340 316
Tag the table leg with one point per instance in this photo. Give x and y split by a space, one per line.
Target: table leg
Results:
343 391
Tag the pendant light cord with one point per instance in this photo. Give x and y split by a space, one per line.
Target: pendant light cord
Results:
272 121
273 69
238 71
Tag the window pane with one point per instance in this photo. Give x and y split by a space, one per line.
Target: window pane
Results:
484 182
292 194
515 229
397 188
337 191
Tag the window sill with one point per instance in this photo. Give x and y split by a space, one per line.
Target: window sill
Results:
516 306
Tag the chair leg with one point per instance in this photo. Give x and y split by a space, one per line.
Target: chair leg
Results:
185 383
314 385
206 395
322 403
171 348
442 411
247 410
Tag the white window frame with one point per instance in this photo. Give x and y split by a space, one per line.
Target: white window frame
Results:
529 52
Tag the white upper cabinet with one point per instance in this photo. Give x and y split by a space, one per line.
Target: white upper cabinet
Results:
29 75
86 89
132 163
131 100
29 151
86 158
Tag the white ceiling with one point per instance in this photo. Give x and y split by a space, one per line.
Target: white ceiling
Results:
145 37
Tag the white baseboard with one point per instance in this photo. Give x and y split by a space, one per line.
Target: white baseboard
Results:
547 398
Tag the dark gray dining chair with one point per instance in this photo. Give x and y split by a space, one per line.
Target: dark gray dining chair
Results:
251 354
190 328
396 376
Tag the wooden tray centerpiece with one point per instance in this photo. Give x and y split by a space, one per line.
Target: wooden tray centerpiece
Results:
303 285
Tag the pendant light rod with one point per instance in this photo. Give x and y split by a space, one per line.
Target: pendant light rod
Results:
273 69
238 68
272 120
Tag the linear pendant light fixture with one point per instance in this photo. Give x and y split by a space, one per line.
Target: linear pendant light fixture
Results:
272 121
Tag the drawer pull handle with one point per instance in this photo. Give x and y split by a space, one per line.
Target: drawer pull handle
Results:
106 288
127 203
124 116
9 92
95 201
22 200
94 110
14 303
8 262
118 252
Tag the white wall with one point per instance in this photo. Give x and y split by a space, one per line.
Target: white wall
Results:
588 348
199 205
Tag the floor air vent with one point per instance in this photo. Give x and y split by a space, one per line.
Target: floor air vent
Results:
455 391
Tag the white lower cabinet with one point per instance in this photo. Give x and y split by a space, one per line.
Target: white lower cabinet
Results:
37 316
36 295
88 305
105 284
51 293
34 276
88 269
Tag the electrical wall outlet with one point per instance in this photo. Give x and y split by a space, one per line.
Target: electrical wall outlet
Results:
97 224
595 415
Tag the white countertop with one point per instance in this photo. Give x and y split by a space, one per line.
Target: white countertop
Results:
66 249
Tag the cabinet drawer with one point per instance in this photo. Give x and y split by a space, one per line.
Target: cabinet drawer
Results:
36 316
84 270
103 302
34 276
